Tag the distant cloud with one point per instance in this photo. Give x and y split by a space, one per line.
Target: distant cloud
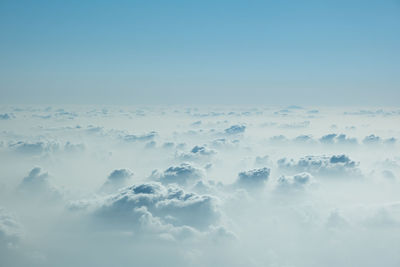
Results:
196 153
117 179
253 179
7 116
10 230
34 147
134 138
336 165
295 125
152 208
296 182
37 185
235 129
183 175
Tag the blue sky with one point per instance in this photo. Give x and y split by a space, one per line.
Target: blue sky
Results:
200 52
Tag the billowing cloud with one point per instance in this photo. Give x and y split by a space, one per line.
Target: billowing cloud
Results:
336 165
184 175
235 129
196 153
144 137
6 116
155 208
293 183
253 179
117 179
33 148
10 230
37 184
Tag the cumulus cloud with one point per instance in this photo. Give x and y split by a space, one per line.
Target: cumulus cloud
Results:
117 179
336 165
10 230
34 148
37 184
197 181
304 139
184 175
73 148
235 129
253 179
7 116
223 143
337 139
374 140
144 137
263 161
294 183
371 139
295 125
196 153
156 208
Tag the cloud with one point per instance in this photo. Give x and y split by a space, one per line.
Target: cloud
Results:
196 153
37 184
263 161
373 113
235 129
7 116
10 229
155 208
73 148
117 179
295 125
184 175
253 179
223 143
371 139
337 139
304 139
336 165
134 138
294 183
387 174
279 139
374 140
384 216
34 148
336 220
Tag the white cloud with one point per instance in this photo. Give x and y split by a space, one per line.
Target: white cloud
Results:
294 183
336 165
253 179
185 174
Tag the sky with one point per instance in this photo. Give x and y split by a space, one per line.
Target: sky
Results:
200 52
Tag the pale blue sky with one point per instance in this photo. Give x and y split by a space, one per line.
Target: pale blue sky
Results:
200 52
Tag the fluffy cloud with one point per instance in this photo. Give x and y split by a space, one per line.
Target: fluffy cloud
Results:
253 179
235 129
10 229
296 182
155 208
196 153
374 139
336 165
117 179
34 148
6 116
134 138
295 125
337 139
37 184
304 139
224 143
184 175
